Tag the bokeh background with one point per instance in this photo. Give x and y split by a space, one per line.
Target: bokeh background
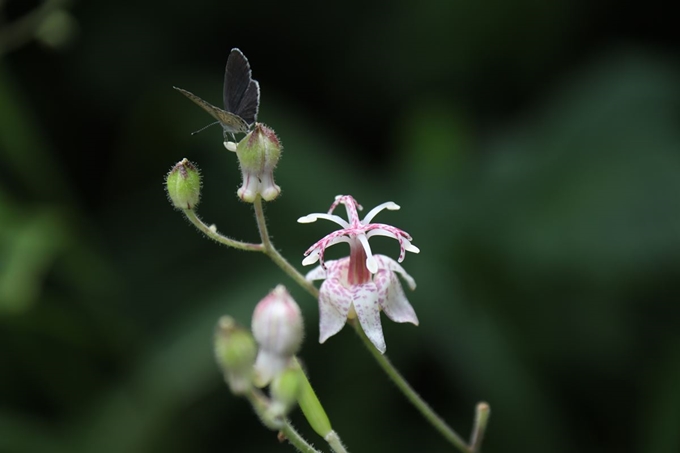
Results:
534 148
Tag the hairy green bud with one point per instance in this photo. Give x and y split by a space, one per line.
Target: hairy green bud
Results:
183 184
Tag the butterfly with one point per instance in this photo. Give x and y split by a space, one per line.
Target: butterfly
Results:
241 96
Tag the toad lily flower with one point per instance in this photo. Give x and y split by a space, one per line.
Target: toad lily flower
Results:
362 284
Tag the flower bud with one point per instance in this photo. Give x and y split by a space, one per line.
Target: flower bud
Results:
284 391
183 184
258 153
277 327
235 352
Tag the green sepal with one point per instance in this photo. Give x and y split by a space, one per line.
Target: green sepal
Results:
311 407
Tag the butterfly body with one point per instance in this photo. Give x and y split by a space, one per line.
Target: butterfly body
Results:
241 96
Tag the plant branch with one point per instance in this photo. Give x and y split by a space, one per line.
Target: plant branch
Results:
260 403
212 233
274 254
296 439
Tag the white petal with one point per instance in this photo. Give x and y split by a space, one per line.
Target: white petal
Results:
392 298
318 273
314 217
365 299
372 213
334 303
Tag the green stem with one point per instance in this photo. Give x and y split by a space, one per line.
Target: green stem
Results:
274 254
260 403
296 439
481 419
440 425
335 443
212 233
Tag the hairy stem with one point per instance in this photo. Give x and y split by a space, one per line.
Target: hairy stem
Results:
335 443
274 254
296 439
260 403
212 233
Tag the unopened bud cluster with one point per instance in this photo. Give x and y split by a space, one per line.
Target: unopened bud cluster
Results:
267 356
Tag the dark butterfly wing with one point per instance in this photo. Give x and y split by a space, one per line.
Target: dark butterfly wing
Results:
230 123
241 92
250 103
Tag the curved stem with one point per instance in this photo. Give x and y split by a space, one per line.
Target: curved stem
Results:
435 420
274 254
212 233
259 403
296 439
262 223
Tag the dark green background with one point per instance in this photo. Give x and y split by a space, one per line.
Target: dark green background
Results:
534 148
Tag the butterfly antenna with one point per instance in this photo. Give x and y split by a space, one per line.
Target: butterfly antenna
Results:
204 128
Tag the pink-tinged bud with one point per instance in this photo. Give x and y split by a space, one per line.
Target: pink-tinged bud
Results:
258 154
278 330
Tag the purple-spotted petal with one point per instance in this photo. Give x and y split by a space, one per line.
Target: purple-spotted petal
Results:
318 273
334 303
365 298
392 298
385 262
